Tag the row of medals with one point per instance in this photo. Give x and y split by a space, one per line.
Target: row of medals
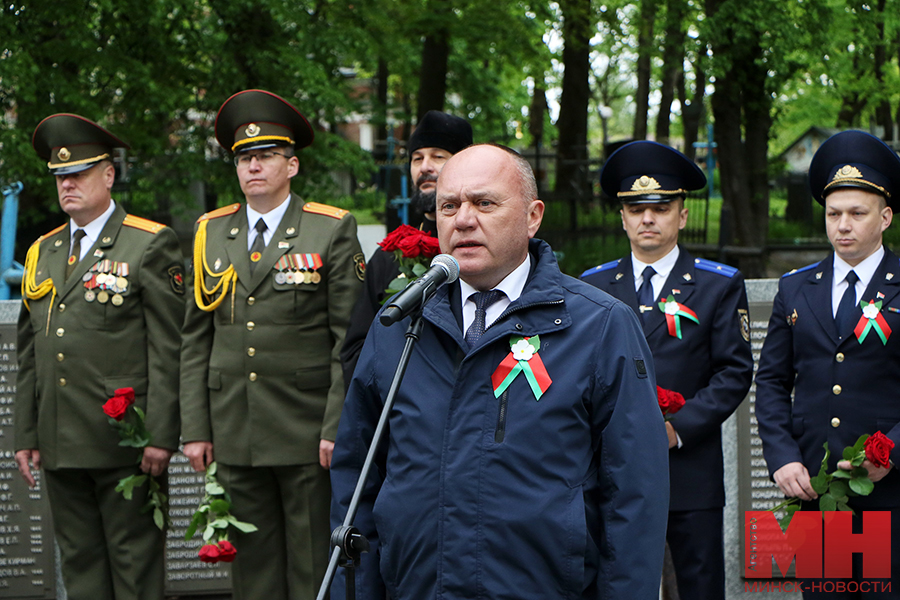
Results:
107 282
297 277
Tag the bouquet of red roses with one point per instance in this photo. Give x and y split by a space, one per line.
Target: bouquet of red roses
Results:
135 435
670 402
835 489
413 249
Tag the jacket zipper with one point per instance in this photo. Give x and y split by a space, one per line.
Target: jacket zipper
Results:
500 431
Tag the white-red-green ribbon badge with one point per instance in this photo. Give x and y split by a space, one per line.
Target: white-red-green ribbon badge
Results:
674 311
522 358
872 319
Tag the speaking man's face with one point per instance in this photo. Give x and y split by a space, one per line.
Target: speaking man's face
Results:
484 219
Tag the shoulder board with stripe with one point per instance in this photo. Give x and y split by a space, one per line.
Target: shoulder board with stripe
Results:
324 209
800 270
601 268
143 224
49 233
714 267
221 212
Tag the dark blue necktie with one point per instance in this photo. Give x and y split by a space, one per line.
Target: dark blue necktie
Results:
847 308
645 294
482 301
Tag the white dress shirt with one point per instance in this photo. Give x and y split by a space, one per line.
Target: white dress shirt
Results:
512 285
864 270
271 218
91 230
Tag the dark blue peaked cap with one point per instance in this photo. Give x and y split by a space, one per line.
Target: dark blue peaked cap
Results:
646 172
854 159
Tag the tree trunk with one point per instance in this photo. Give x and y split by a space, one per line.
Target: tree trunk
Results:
435 52
741 108
381 103
883 110
646 48
673 60
571 170
536 115
692 110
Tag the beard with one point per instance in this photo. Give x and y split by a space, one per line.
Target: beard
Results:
423 202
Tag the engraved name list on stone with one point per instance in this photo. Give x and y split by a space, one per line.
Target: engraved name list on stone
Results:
26 531
185 573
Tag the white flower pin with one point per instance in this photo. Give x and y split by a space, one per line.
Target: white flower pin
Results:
870 311
522 350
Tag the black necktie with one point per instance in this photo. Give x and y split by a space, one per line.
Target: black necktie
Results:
259 244
75 256
645 293
847 308
482 301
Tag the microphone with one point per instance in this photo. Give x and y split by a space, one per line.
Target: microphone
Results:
444 269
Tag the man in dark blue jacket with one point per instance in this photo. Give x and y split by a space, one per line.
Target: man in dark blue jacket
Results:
844 383
694 315
528 408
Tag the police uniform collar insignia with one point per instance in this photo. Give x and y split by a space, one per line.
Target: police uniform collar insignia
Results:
687 276
64 154
619 276
106 239
889 276
235 230
252 130
290 231
645 183
819 275
57 243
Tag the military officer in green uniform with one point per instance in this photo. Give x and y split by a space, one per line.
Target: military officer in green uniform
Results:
103 302
273 284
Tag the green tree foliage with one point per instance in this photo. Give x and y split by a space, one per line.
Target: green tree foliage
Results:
155 74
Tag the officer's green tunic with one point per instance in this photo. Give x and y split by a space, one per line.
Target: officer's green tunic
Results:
73 354
261 380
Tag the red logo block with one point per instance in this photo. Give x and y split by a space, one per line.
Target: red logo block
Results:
810 538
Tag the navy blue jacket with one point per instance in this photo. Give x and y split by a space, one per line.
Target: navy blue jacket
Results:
510 497
842 388
711 366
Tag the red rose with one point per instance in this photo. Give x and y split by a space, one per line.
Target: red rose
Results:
419 244
390 241
669 402
227 551
210 553
116 406
878 449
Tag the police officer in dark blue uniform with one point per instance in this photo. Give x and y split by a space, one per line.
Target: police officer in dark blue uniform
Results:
844 382
694 315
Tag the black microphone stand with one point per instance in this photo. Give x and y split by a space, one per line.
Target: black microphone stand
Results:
347 541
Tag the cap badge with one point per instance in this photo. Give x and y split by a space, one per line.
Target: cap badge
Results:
645 183
64 154
252 130
847 172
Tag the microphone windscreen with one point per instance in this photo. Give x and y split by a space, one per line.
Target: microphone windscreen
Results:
449 264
